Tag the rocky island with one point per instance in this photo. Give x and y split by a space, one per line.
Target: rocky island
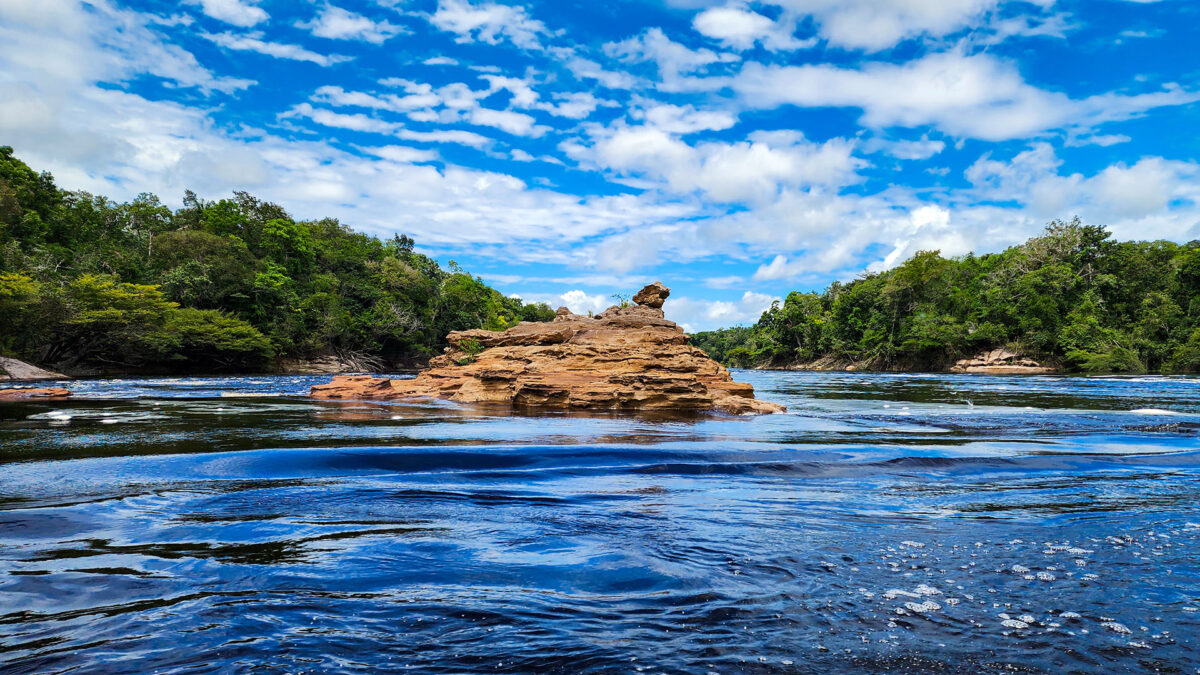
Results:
626 358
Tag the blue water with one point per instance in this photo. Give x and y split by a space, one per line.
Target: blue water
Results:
886 523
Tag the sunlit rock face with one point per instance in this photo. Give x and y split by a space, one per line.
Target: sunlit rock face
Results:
626 358
1000 362
16 394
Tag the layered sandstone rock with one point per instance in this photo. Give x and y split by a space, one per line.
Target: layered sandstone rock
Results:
1000 362
627 358
53 393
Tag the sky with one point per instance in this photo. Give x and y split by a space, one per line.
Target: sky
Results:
568 150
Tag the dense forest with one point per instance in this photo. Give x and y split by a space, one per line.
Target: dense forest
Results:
1071 298
87 285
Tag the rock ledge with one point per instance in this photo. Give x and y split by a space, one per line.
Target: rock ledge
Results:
626 358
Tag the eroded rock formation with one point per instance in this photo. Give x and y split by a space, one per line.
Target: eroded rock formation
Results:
1000 362
627 358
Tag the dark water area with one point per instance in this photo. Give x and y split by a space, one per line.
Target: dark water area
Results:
886 523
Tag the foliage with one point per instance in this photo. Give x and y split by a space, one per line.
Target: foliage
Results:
471 348
229 284
1071 297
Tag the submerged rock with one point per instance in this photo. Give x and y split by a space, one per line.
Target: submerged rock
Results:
626 358
27 393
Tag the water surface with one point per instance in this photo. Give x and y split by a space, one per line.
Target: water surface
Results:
886 523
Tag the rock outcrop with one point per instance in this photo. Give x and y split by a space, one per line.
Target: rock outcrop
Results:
627 358
1000 362
12 369
53 393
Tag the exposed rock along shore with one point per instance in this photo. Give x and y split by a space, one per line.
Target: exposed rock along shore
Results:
627 358
992 362
1000 362
21 394
13 370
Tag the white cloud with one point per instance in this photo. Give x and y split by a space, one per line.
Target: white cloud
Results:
695 315
580 302
873 25
928 229
515 123
253 42
574 105
59 45
366 123
440 61
402 154
456 136
235 12
336 23
586 69
1116 195
729 281
488 22
685 119
922 148
751 171
523 95
417 97
975 96
736 27
675 62
353 122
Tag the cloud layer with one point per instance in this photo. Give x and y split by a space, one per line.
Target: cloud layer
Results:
739 150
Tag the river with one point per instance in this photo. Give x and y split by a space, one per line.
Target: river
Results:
886 523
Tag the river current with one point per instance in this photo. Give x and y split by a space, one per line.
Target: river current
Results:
886 523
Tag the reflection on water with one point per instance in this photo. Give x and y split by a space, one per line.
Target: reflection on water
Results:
887 523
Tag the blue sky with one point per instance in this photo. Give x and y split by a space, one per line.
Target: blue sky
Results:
567 150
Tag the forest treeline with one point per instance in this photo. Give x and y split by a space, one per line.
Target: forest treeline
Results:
1072 298
90 284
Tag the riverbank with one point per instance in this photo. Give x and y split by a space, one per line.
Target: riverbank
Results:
991 362
14 370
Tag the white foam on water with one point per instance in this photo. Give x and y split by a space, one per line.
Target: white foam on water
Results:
1142 645
1013 623
1117 627
1153 411
921 608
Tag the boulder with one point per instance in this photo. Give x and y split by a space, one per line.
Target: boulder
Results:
653 295
15 394
627 358
12 369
